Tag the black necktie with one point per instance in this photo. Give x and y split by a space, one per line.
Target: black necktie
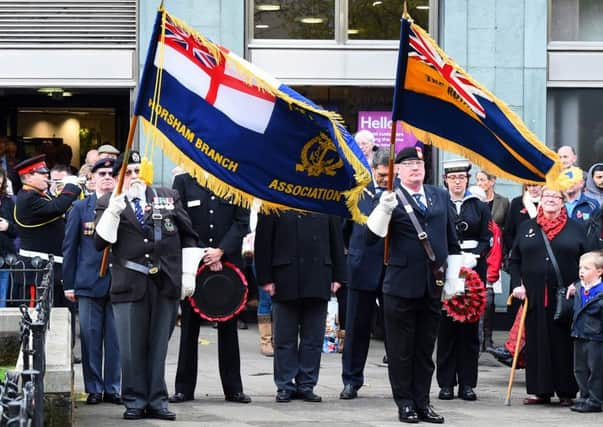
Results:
420 204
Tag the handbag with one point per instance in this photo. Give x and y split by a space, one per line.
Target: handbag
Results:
563 305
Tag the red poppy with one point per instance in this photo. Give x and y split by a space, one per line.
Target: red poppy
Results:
470 306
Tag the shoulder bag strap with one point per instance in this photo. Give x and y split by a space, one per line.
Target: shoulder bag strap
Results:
421 234
549 250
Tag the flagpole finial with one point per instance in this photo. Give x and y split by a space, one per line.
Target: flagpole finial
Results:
405 14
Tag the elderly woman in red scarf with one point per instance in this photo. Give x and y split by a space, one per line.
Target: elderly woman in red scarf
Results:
549 369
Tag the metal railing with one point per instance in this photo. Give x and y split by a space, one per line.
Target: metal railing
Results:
22 393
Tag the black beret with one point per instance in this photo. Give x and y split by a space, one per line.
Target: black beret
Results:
103 163
133 158
409 153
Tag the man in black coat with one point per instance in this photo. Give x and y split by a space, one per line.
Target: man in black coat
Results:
365 279
411 297
221 227
40 220
155 259
299 261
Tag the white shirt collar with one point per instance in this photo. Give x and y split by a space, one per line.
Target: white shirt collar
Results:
411 192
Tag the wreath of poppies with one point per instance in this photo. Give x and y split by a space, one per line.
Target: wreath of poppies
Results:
470 306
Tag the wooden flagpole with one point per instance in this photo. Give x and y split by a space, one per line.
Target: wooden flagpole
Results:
119 186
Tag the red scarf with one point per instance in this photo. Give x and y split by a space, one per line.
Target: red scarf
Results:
551 227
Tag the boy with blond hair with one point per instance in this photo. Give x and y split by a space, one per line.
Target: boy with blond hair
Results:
587 331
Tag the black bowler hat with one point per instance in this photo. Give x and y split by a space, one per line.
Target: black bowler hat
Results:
409 153
219 295
133 158
31 165
103 163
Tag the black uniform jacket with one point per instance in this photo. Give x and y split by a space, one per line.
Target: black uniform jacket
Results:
300 253
219 223
136 243
409 272
365 262
40 218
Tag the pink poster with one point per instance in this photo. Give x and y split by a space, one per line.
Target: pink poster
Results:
379 123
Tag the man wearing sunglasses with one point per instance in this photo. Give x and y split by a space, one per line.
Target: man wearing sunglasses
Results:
155 258
83 286
40 220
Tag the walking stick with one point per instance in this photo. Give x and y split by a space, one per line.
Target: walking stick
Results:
517 344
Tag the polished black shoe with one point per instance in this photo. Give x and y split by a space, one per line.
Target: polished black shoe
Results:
161 414
238 398
308 396
283 396
385 359
446 393
408 415
467 393
179 398
112 398
133 414
349 392
429 415
94 398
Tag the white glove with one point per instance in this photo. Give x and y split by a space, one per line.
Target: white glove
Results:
191 257
470 259
108 223
454 283
388 201
71 179
117 204
378 220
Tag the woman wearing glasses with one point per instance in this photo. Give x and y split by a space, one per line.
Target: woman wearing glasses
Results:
549 352
458 342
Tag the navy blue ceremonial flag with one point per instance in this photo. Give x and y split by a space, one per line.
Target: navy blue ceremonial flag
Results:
242 133
444 106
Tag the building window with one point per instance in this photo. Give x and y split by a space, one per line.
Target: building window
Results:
294 19
576 20
333 20
380 20
574 117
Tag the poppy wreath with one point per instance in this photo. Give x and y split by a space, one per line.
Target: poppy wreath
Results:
470 306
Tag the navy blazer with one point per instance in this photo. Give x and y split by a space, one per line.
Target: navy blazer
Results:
409 273
81 260
365 261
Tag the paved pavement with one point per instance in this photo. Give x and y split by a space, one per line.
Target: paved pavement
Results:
374 407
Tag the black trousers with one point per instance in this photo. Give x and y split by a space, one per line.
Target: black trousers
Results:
411 328
229 360
297 364
588 369
360 308
458 352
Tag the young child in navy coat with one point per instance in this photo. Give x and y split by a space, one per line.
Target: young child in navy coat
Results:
587 330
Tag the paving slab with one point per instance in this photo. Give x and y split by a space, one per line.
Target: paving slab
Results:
374 407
